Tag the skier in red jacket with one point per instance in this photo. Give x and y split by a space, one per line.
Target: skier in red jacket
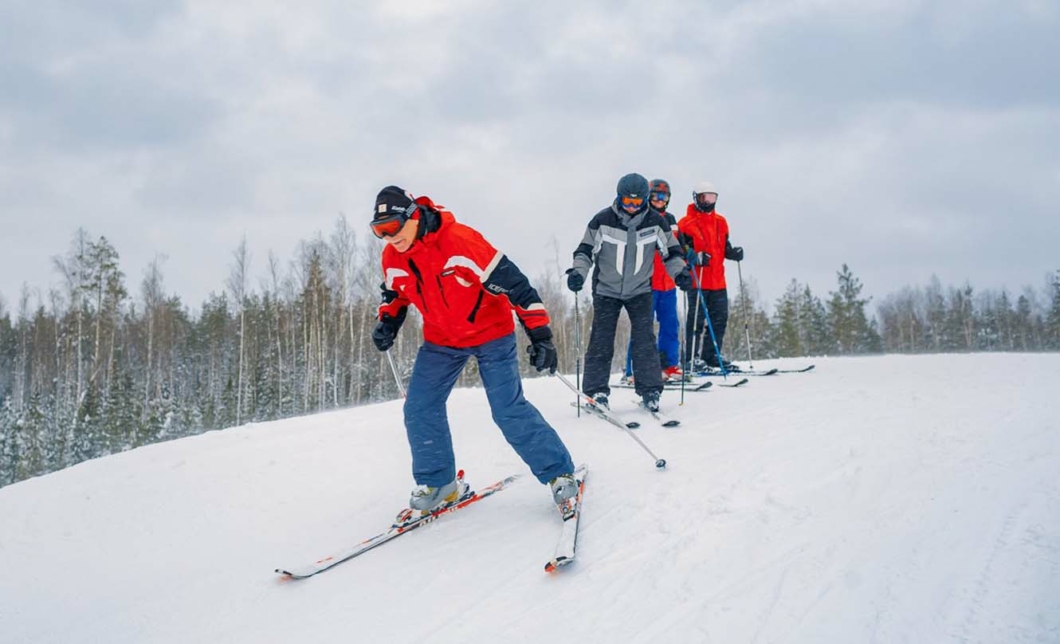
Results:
465 290
705 232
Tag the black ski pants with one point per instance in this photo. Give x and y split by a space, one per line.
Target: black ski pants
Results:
696 341
647 373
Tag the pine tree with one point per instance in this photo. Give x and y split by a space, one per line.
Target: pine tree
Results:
787 323
814 320
122 413
8 443
32 429
746 308
8 350
1052 320
87 441
1024 325
105 286
1006 323
847 320
960 320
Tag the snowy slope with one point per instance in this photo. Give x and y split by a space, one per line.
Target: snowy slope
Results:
892 499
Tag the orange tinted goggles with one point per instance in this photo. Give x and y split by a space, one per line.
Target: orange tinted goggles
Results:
389 226
632 202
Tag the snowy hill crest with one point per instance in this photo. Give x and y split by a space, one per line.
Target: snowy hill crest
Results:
892 499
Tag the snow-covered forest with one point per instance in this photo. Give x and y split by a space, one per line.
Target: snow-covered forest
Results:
103 362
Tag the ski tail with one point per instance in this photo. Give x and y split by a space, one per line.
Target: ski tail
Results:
396 530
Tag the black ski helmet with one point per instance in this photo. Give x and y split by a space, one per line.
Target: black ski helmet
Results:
634 186
660 186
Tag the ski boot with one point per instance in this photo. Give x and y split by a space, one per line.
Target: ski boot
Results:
712 363
426 500
650 400
564 493
600 400
673 374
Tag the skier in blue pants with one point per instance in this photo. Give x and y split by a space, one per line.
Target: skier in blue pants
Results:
435 372
466 291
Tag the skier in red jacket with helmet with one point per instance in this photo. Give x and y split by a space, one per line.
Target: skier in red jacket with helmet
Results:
465 290
705 232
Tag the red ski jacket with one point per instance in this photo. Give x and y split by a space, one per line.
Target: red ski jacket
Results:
660 279
464 288
708 232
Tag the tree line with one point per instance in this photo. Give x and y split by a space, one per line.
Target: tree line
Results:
96 365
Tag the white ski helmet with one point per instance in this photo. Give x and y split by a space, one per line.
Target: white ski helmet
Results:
702 188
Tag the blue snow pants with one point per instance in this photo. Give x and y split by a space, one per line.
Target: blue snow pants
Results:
427 423
664 306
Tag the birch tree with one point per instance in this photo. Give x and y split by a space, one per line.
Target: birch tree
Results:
237 285
153 296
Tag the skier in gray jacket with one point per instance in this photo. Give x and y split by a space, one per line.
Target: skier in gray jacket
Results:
622 240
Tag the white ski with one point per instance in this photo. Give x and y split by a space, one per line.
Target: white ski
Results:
568 538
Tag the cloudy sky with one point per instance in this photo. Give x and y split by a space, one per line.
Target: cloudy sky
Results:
904 137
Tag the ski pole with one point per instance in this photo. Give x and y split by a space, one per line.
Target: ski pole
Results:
682 343
695 333
583 397
747 333
397 378
710 327
578 349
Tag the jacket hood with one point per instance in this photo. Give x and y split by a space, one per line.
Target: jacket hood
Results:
432 217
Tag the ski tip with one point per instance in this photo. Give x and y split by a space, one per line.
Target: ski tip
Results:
738 383
557 563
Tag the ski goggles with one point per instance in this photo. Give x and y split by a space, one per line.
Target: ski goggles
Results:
660 196
707 197
390 225
632 202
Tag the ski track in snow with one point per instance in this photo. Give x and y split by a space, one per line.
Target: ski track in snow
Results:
888 499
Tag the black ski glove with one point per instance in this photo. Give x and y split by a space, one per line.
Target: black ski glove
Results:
542 352
575 281
683 280
736 254
386 331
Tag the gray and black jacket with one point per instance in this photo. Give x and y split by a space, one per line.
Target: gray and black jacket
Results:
623 248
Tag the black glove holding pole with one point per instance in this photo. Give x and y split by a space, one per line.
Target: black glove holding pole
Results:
542 352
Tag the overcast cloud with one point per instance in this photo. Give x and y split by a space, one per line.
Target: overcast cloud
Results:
906 138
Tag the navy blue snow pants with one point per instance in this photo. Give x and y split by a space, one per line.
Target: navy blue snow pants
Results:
427 422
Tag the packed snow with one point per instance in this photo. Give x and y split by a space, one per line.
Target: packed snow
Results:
882 499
